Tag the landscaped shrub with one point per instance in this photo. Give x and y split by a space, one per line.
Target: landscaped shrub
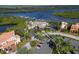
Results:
2 52
34 43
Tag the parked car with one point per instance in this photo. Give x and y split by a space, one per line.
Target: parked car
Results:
39 45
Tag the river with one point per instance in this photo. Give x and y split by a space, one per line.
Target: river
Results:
47 15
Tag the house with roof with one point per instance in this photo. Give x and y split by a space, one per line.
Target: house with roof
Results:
64 25
74 27
40 24
8 41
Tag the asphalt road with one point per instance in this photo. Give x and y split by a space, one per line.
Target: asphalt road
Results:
45 49
64 34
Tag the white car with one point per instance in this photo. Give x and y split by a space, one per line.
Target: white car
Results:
38 47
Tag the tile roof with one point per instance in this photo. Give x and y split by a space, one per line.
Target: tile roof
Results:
6 36
8 44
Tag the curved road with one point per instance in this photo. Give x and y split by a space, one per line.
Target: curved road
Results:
63 34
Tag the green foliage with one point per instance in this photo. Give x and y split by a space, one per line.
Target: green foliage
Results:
22 43
62 46
15 20
26 9
2 52
47 29
34 43
69 14
56 24
22 51
18 24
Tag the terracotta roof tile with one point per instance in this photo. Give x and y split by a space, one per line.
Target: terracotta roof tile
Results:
6 36
8 44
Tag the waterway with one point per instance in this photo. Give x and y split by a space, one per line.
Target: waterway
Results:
47 15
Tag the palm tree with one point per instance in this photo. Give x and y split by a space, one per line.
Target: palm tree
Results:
62 46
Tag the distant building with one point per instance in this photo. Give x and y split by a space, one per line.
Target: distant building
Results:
64 25
74 27
8 41
37 23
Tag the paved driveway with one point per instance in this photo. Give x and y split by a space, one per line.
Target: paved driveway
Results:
27 45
